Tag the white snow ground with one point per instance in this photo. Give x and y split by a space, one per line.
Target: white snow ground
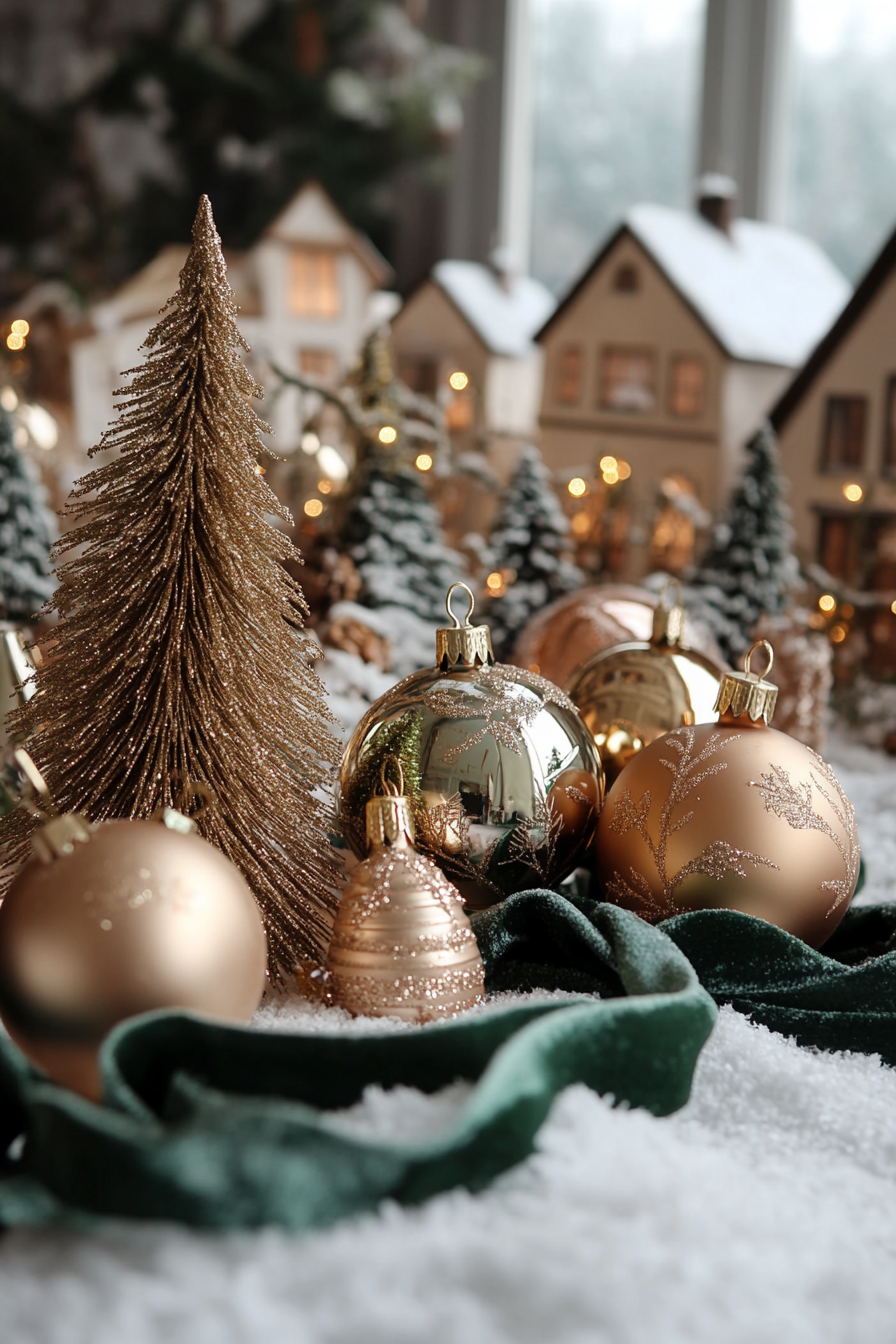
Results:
763 1212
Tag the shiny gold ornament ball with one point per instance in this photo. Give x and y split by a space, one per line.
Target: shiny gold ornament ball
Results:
402 945
135 916
634 692
732 815
503 778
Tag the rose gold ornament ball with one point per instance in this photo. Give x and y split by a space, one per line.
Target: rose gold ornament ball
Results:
139 917
732 815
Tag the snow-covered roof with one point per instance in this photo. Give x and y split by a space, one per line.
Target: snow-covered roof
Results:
766 293
505 319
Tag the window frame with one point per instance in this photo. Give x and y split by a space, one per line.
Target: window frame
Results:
570 348
832 401
888 462
675 359
603 354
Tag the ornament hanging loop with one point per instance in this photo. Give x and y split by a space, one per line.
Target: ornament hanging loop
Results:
770 653
677 601
458 625
668 617
37 784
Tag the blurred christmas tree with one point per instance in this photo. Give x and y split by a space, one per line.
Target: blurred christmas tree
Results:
749 570
26 532
527 552
116 127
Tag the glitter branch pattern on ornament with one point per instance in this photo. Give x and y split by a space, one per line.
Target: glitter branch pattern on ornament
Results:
715 861
793 804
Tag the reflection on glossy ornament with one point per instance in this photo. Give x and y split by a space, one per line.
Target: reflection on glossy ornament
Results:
17 686
503 778
632 693
732 815
402 945
108 921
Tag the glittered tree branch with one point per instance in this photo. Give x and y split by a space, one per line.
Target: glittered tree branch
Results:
180 654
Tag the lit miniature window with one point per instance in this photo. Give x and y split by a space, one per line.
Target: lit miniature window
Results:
674 533
319 363
313 283
844 433
626 279
686 393
627 379
569 382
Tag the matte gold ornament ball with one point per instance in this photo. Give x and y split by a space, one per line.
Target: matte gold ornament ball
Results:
402 945
732 815
634 692
105 922
503 778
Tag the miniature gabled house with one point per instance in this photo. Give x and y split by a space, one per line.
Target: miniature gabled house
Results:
665 356
304 292
836 427
476 322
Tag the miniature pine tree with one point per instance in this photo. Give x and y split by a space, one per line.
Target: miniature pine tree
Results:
529 540
180 655
749 570
26 533
393 535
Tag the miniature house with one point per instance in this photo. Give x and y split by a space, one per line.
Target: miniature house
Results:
305 293
836 424
663 359
466 333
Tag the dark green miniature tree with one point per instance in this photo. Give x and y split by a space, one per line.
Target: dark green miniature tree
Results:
529 543
26 532
749 569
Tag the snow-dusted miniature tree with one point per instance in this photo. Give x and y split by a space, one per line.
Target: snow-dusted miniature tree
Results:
26 532
530 538
393 534
749 569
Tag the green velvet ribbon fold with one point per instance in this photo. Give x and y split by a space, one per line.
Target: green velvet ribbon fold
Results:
221 1127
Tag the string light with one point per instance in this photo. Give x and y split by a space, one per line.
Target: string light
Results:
325 486
495 584
577 487
313 508
623 469
580 524
826 602
20 327
893 607
388 434
853 492
423 462
608 463
458 381
838 634
14 341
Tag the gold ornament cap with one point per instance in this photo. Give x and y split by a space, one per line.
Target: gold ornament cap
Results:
463 645
668 619
389 817
746 692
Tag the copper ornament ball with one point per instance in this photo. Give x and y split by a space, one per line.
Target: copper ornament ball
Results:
135 918
503 778
732 815
402 945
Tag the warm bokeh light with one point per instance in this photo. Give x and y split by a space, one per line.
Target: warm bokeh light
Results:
495 584
893 608
325 486
838 634
608 464
577 487
847 611
853 492
14 341
310 443
623 469
826 602
388 434
423 462
611 478
458 381
260 470
580 524
313 508
20 327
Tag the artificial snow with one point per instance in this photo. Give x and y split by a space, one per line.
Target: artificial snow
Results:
768 294
763 1212
505 315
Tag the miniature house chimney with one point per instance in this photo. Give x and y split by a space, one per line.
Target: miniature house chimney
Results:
716 200
502 265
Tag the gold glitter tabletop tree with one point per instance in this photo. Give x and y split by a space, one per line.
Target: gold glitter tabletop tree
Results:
180 657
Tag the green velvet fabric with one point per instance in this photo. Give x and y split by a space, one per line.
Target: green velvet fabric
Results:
220 1127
